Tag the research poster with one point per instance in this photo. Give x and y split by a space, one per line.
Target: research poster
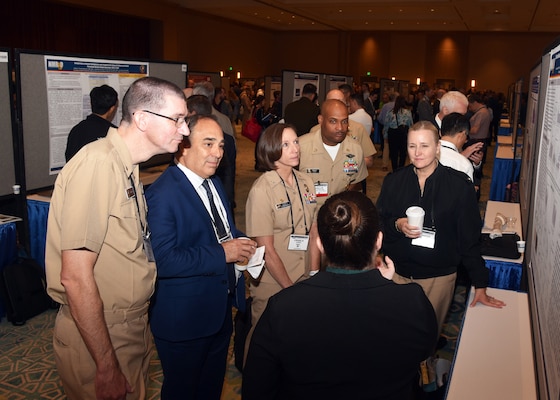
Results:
529 138
545 247
335 81
69 81
300 80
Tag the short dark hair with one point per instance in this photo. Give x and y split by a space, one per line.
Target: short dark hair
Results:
346 88
199 104
358 98
269 146
102 98
195 119
348 226
309 88
455 123
192 123
475 97
148 93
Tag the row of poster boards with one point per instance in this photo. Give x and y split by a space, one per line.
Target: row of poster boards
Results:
49 95
540 206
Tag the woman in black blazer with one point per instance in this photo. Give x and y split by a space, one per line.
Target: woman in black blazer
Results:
348 332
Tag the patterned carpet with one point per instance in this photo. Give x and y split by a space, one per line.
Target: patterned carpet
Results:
28 371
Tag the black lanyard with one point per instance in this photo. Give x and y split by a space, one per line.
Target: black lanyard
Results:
290 202
450 148
145 229
420 196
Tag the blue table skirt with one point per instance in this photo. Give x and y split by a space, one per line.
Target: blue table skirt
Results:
8 251
504 131
501 177
504 274
38 212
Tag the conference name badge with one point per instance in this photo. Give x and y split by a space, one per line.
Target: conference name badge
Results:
298 242
322 189
428 239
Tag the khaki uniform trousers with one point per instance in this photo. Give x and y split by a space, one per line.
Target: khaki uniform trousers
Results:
439 291
131 339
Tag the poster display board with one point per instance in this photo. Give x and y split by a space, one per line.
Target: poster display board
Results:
212 77
69 81
334 81
529 138
300 80
53 96
544 231
7 168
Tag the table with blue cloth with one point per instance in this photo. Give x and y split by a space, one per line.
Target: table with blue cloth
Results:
504 273
37 214
504 130
504 165
8 251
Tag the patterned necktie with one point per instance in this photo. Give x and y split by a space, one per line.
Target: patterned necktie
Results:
218 222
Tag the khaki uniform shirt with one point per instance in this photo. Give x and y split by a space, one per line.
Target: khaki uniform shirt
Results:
357 132
93 207
347 168
268 213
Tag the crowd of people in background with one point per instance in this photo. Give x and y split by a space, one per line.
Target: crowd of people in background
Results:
330 253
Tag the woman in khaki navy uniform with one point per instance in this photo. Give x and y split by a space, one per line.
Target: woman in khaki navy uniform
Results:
280 211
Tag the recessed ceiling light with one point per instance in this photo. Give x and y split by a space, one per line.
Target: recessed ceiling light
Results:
432 9
339 11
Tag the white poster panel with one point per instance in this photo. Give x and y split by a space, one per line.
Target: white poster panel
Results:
545 246
69 81
335 81
300 80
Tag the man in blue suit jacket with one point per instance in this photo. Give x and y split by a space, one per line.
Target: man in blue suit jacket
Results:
197 283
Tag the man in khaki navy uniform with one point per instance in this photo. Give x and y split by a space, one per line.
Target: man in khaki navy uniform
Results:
99 262
355 130
334 161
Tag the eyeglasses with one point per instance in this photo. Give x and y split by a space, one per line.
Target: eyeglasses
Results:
178 121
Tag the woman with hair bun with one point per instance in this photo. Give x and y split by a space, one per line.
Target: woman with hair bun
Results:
348 332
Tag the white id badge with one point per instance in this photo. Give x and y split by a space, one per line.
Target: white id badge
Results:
298 242
428 239
321 189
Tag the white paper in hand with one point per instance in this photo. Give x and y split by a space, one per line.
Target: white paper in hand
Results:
255 264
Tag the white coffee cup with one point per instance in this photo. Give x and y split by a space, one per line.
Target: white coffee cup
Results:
415 216
521 246
16 189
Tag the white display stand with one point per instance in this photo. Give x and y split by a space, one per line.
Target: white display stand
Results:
494 358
